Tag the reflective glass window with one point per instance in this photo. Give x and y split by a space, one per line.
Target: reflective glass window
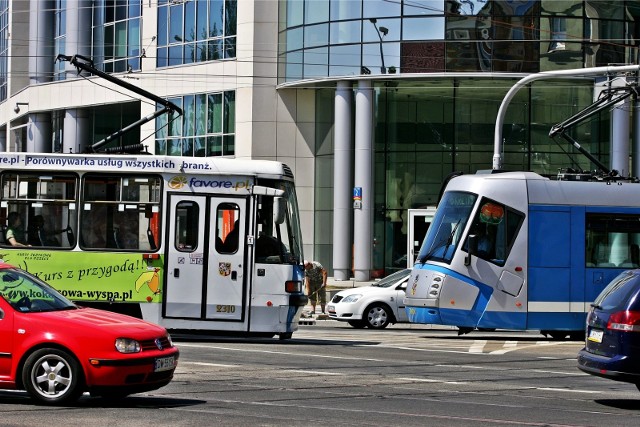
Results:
344 60
207 119
216 18
387 29
345 32
373 58
431 28
341 9
117 35
422 57
294 39
379 9
514 8
316 11
316 35
316 62
294 12
210 23
423 7
561 7
604 9
293 68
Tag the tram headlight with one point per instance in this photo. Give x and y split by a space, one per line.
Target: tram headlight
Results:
435 287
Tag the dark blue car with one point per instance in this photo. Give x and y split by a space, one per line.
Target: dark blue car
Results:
612 348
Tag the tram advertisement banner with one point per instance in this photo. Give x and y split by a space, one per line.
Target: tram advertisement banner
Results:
84 276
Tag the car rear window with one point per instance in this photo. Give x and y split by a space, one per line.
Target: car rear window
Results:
621 293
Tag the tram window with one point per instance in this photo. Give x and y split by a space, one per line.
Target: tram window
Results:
612 241
227 228
270 246
496 227
186 226
46 206
120 212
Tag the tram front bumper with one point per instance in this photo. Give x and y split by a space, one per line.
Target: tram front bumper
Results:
422 310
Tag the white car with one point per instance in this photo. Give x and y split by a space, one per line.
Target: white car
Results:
373 306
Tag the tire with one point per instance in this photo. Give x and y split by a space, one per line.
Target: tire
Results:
558 335
358 324
577 335
52 376
285 336
377 316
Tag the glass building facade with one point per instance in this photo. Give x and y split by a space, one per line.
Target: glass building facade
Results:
196 31
4 47
440 70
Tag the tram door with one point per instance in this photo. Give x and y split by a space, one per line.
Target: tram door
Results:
205 274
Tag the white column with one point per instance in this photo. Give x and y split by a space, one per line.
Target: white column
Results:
635 170
75 134
39 133
342 182
41 41
78 31
620 128
363 217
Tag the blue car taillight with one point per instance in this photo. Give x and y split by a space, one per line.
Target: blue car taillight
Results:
627 321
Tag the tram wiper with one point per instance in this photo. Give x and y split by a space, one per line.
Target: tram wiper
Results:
446 242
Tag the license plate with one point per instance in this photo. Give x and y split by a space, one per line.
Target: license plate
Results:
595 335
164 364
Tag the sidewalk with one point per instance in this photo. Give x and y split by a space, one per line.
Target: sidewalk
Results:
333 286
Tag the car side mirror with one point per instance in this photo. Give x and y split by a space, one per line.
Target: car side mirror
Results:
472 246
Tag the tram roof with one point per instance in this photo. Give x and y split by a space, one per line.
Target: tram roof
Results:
142 163
542 190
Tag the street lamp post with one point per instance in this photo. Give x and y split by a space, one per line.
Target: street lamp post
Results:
382 31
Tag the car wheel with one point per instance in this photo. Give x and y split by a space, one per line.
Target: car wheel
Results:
358 324
558 335
52 376
377 316
577 335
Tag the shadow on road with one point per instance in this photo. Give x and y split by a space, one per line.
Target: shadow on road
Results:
133 401
627 404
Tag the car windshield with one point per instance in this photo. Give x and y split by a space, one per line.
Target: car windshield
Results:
27 293
392 278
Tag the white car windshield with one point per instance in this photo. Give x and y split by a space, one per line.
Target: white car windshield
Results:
393 278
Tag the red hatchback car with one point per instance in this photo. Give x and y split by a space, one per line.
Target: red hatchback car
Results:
56 350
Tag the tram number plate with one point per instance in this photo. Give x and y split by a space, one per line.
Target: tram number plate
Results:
595 335
164 363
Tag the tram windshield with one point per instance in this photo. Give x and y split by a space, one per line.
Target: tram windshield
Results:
446 229
278 239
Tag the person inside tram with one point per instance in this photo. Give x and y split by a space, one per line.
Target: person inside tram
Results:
15 234
40 236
